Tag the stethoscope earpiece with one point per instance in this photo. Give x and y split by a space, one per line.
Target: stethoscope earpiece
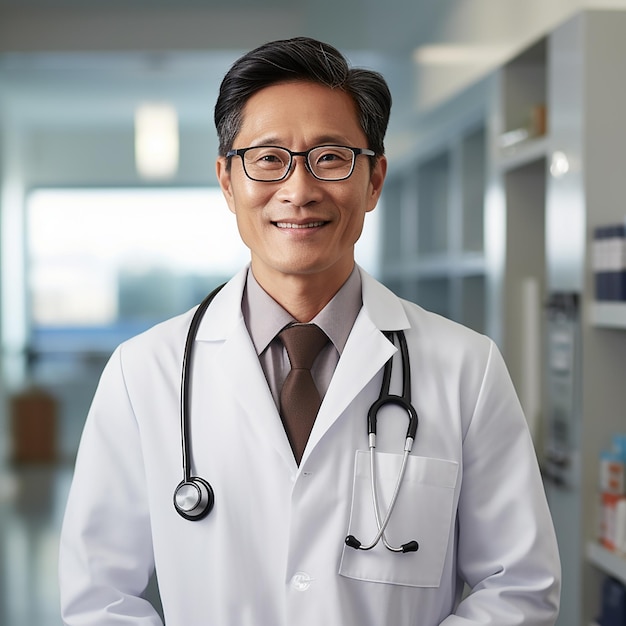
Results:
410 546
194 498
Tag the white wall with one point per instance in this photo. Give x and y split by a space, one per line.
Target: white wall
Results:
96 156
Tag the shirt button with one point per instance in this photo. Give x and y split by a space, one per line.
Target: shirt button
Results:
301 581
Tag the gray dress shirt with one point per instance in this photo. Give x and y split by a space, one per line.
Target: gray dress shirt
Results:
265 318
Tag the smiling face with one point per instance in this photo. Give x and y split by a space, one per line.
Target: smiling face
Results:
301 226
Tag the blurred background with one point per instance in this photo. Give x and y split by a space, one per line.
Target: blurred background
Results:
505 191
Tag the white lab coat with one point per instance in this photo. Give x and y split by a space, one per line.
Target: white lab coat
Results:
272 551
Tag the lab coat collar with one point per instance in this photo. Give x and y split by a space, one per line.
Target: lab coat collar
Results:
381 306
224 314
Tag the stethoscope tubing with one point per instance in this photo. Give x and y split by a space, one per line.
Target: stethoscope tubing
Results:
193 497
185 395
383 525
404 401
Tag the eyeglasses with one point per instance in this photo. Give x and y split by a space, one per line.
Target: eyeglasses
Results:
270 164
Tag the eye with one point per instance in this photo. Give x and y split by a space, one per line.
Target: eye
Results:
331 157
267 158
328 157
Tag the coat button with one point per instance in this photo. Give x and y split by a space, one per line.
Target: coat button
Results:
301 581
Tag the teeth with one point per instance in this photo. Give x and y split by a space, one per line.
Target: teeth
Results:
288 225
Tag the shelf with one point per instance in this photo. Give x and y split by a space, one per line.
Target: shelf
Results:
608 314
524 153
609 562
434 180
439 266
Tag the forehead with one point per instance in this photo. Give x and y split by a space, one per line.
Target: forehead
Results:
300 111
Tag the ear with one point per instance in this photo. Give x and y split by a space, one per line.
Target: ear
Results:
223 178
377 178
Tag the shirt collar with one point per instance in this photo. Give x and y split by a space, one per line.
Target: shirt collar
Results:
335 319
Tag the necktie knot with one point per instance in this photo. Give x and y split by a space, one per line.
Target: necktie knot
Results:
303 343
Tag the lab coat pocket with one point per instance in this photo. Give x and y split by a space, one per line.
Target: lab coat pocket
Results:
423 512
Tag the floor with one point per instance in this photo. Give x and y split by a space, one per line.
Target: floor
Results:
32 500
32 503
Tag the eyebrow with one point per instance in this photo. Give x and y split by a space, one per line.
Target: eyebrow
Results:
324 140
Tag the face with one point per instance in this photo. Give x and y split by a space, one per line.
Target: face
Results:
301 226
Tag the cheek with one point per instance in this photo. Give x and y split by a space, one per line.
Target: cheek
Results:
357 227
249 210
243 203
357 207
249 195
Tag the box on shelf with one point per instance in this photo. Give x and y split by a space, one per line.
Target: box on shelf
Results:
612 487
609 262
34 427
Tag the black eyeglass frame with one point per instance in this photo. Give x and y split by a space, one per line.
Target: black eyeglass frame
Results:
355 152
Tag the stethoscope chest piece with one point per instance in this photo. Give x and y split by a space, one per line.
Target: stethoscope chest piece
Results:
194 498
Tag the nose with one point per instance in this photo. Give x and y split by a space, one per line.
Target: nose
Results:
300 187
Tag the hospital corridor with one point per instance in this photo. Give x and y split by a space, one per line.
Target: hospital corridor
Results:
502 209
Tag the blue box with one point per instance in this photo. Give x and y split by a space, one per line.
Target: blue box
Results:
613 603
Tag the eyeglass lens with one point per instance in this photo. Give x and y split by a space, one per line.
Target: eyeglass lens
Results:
269 163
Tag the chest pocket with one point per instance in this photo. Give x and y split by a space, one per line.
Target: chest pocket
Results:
423 512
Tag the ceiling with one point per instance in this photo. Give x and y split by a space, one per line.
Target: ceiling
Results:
82 61
393 25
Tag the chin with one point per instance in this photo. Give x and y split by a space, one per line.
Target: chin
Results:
332 270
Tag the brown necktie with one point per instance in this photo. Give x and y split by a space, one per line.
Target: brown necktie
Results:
299 397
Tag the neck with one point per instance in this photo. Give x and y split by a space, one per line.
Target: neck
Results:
303 296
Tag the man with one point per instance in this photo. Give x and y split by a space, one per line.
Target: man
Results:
301 163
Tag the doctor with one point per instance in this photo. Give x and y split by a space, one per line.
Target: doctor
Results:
301 163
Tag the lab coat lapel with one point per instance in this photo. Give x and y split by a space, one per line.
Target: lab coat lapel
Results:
365 353
241 374
240 371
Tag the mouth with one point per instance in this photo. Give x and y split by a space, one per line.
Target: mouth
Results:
296 226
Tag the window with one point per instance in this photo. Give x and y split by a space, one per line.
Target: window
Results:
104 264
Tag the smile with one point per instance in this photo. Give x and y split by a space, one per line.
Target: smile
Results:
290 225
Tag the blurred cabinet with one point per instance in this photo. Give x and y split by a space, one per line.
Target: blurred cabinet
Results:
433 250
557 137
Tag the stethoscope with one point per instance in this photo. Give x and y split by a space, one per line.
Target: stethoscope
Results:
194 497
403 401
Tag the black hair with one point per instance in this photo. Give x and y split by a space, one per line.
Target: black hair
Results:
306 59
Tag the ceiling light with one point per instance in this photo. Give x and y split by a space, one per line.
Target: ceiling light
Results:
156 140
457 54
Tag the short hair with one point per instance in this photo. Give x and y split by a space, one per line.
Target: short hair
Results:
306 59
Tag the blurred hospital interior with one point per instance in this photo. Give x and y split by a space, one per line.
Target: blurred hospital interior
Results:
503 209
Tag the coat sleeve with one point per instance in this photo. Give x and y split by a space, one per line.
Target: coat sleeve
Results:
507 550
106 557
